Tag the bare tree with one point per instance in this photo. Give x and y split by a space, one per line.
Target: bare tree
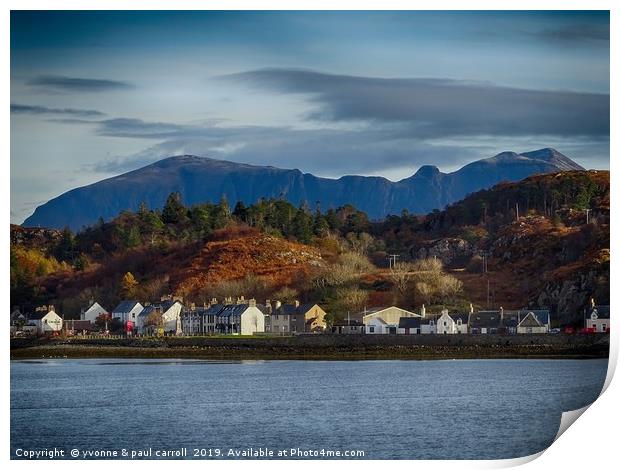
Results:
401 274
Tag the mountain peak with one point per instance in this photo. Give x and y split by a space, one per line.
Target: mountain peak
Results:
203 179
552 156
427 171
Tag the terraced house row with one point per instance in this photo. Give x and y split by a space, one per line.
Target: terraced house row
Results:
169 316
246 317
395 320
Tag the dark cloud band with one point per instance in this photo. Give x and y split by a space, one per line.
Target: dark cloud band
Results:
28 109
72 84
435 108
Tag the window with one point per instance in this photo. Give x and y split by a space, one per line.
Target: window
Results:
445 323
372 329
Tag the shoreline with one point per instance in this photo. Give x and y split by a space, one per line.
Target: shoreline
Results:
313 348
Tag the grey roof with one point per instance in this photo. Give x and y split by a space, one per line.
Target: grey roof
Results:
409 322
511 318
426 320
464 317
37 315
164 306
602 311
264 309
292 309
212 310
232 310
485 319
125 306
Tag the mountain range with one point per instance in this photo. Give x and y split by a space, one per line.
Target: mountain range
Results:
200 179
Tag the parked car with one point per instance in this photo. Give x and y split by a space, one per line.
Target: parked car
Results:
555 331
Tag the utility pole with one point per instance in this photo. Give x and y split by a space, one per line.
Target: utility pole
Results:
488 292
392 259
517 206
588 216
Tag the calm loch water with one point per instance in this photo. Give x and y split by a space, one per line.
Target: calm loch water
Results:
459 409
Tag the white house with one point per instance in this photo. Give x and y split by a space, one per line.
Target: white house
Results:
533 321
46 320
384 320
598 318
450 324
170 321
445 324
240 319
93 311
127 312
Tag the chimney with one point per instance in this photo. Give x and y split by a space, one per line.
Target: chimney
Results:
240 300
228 300
278 304
50 308
501 313
91 302
471 308
296 303
423 311
592 304
252 303
192 306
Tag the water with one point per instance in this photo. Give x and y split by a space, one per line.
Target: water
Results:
457 409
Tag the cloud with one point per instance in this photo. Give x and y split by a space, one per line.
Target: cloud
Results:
576 33
38 110
72 84
431 108
325 152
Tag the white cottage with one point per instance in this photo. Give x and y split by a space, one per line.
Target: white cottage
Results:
93 312
533 321
46 321
451 324
598 318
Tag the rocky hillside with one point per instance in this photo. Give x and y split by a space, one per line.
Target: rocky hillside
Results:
201 180
255 254
555 254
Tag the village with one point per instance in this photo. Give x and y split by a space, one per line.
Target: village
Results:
245 317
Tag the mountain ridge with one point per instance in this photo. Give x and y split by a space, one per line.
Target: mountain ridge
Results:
203 179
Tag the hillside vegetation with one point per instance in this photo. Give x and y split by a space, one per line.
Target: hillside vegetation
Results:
478 250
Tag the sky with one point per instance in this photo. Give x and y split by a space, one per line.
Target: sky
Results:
96 94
